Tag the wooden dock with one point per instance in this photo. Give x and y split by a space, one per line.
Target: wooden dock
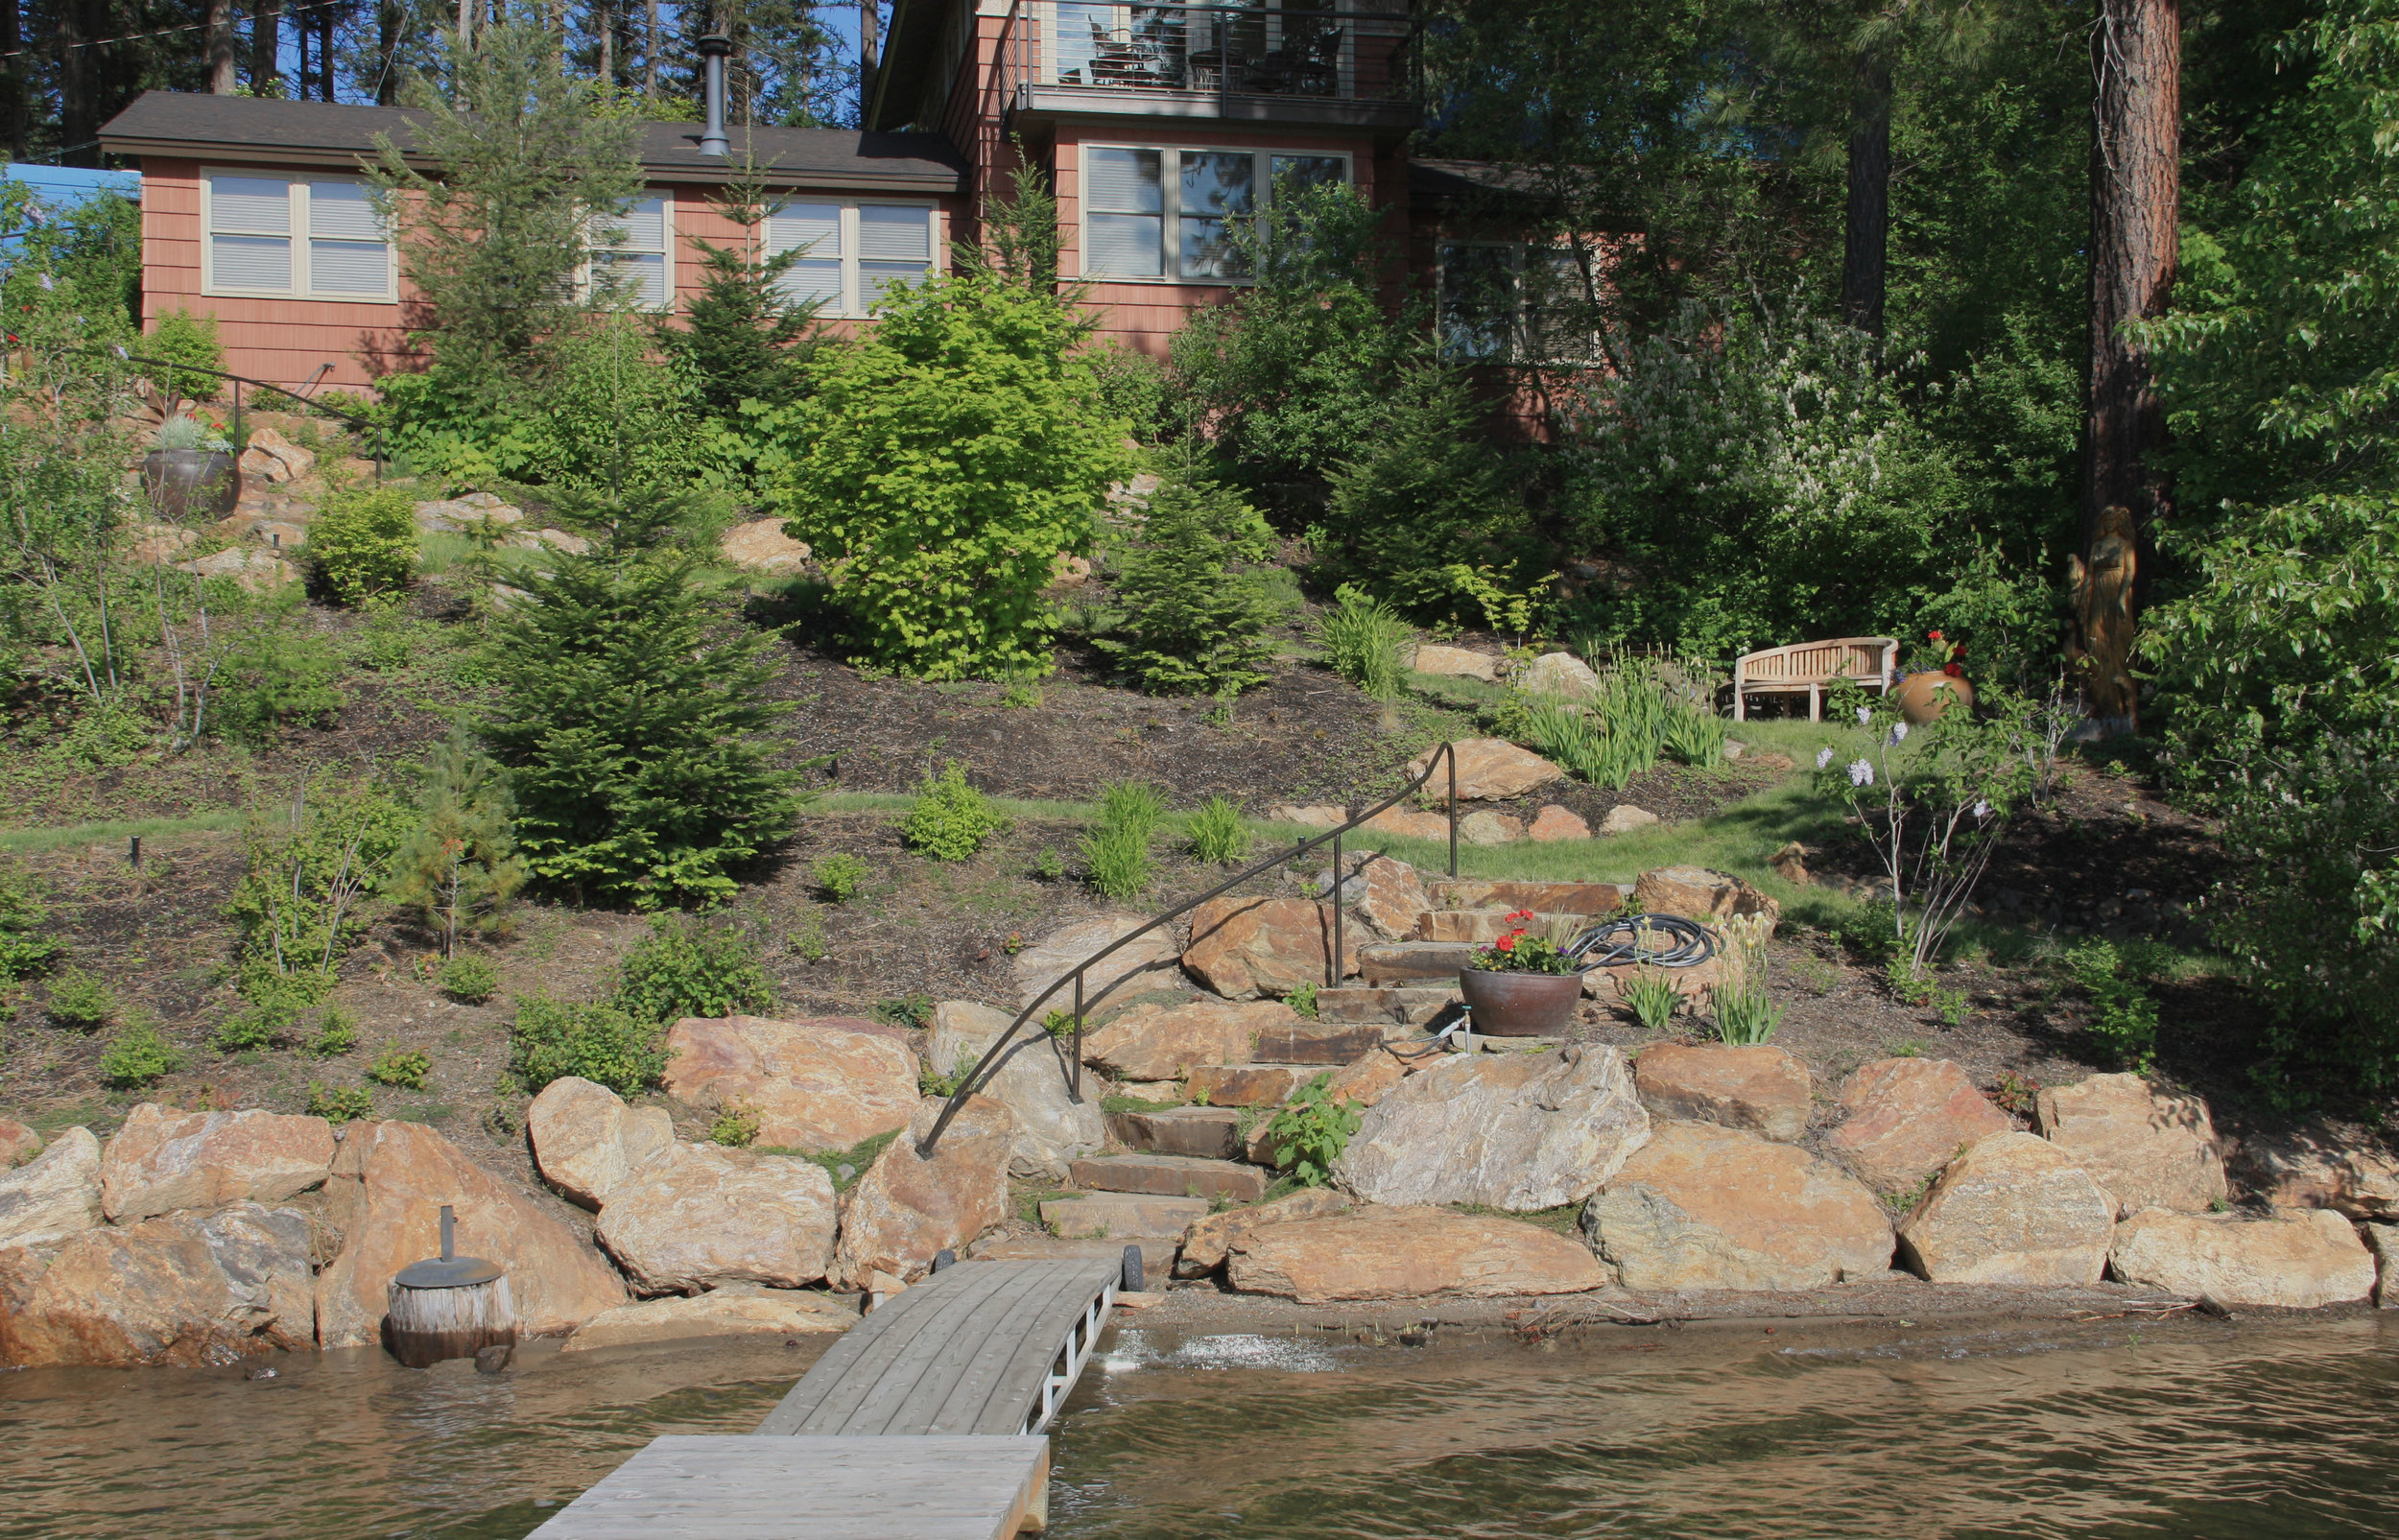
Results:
922 1423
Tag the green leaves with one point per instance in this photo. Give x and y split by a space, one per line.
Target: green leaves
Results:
1310 1134
950 820
550 1040
1195 613
364 542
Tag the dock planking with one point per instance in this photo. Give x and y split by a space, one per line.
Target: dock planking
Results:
983 1347
770 1487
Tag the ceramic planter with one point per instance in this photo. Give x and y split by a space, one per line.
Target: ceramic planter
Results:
1520 1004
1923 697
184 481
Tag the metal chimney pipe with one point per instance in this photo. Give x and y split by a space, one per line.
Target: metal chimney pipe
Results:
715 47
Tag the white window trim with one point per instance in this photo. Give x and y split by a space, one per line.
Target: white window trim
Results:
853 287
1522 348
1170 203
296 184
666 231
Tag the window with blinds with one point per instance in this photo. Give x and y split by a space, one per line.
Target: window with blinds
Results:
638 260
850 255
1172 213
313 238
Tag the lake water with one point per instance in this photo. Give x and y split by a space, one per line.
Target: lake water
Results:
2119 1430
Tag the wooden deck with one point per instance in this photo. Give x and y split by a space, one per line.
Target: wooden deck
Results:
753 1487
983 1347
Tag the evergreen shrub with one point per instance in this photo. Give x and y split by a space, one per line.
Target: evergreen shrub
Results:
950 820
551 1039
364 543
1193 613
139 1055
684 968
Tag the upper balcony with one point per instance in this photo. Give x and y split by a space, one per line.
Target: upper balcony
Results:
1330 64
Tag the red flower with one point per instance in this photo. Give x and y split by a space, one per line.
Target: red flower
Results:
1520 915
1508 942
1954 670
1932 636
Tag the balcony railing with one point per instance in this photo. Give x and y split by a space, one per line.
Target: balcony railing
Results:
1323 63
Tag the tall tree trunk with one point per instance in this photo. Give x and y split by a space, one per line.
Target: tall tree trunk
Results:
16 101
1862 280
2136 60
604 24
300 46
265 28
76 122
388 52
649 52
221 77
324 53
870 19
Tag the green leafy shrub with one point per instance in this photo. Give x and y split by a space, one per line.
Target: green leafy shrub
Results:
1310 1134
1302 1000
364 543
1192 614
685 968
339 1105
912 1011
310 865
551 1039
137 1055
279 673
1218 835
403 1067
469 979
81 1002
2124 1013
459 866
630 723
182 340
1132 386
1116 861
1362 638
949 457
950 820
274 1002
840 877
735 1127
26 949
336 1035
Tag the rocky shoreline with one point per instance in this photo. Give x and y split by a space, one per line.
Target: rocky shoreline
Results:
1526 1185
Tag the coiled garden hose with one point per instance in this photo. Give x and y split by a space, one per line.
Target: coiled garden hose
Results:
1636 939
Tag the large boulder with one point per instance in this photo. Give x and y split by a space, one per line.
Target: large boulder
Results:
54 1196
389 1182
1706 1207
1031 1079
18 1144
735 1310
1142 964
1761 1089
1908 1117
2150 1150
1406 824
1386 893
1206 1242
907 1209
1147 1043
1697 894
2012 1210
1555 824
187 1290
1453 662
1559 673
163 1160
710 1215
588 1143
1489 769
275 458
1408 1253
814 1087
1241 948
2297 1262
1515 1131
1484 827
2315 1167
761 546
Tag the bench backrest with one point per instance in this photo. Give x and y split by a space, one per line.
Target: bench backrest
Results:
1864 658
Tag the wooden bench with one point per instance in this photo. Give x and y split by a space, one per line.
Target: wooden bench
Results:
1810 666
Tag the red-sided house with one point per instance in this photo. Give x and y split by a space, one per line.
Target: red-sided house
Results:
1157 126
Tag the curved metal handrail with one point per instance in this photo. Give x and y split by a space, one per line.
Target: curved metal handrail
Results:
978 1076
238 381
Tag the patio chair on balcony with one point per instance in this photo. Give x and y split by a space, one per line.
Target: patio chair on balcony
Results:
1809 667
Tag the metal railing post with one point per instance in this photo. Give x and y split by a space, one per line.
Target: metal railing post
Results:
1333 964
1452 750
1075 1088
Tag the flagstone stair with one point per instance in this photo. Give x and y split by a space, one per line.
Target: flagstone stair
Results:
1169 1176
1205 1133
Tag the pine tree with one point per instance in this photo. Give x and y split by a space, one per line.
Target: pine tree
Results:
746 340
1194 622
461 865
630 721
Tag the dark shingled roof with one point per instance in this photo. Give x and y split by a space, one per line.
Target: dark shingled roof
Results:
250 128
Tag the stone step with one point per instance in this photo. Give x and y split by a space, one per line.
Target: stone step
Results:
1486 925
1412 962
1157 1251
1249 1085
1315 1042
1553 898
1175 1176
1384 1006
1122 1217
1206 1134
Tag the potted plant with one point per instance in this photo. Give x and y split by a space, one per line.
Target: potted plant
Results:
1521 986
1936 679
192 470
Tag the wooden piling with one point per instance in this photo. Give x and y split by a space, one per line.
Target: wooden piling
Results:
450 1308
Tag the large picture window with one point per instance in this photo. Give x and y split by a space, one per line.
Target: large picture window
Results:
311 238
1512 303
852 252
1153 214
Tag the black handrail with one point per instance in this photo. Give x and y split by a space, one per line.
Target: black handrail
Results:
978 1076
239 380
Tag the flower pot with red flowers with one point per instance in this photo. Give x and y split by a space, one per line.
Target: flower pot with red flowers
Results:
1934 680
1522 984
